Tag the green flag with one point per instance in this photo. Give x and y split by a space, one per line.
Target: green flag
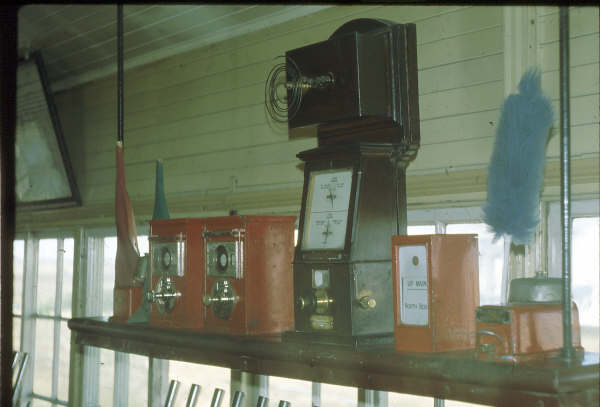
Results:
161 211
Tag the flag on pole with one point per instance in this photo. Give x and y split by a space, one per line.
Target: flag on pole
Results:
127 247
161 211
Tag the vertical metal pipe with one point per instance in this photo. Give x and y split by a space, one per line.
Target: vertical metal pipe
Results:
283 403
438 402
120 72
568 351
262 401
193 396
217 398
237 399
316 394
172 393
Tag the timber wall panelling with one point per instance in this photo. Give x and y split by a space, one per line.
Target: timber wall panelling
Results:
202 113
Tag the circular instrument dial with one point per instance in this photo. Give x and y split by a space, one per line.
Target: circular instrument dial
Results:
167 257
223 299
222 258
327 207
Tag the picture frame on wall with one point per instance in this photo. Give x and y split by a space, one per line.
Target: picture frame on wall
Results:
43 172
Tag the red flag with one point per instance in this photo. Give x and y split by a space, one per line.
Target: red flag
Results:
127 248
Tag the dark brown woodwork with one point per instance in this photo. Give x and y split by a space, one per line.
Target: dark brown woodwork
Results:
452 375
377 211
374 97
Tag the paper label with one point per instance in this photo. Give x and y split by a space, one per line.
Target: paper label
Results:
414 295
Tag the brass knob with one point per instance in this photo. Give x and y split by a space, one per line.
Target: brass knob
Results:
207 300
367 302
323 301
301 302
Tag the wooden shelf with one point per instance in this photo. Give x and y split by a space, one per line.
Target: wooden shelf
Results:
456 375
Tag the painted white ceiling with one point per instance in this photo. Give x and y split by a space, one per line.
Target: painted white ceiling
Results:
78 42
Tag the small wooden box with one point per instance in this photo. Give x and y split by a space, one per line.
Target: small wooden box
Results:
248 274
436 292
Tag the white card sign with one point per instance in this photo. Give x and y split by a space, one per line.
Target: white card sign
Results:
412 261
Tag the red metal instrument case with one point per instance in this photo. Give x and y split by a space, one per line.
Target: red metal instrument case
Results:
436 292
251 292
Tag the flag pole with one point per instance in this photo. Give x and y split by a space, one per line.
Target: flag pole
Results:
120 72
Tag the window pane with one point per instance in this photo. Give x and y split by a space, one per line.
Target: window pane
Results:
297 392
453 403
16 334
67 285
63 361
138 380
42 368
40 403
399 399
491 260
585 265
18 254
107 377
339 396
143 244
46 289
208 377
110 252
420 229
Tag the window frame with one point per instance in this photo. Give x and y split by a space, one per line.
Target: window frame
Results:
29 314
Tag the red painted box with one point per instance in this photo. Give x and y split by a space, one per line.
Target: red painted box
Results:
436 292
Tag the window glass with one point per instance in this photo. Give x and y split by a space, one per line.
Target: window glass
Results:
107 377
143 244
138 380
399 399
339 396
18 254
42 366
63 361
453 403
16 334
208 377
67 285
297 392
420 229
585 265
46 289
40 403
491 260
108 276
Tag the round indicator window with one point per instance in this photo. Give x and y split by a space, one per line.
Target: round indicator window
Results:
222 258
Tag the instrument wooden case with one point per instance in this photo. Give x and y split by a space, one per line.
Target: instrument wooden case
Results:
354 201
177 273
248 282
436 292
374 96
522 332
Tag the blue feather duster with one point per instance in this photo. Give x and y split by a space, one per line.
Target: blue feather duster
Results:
516 169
